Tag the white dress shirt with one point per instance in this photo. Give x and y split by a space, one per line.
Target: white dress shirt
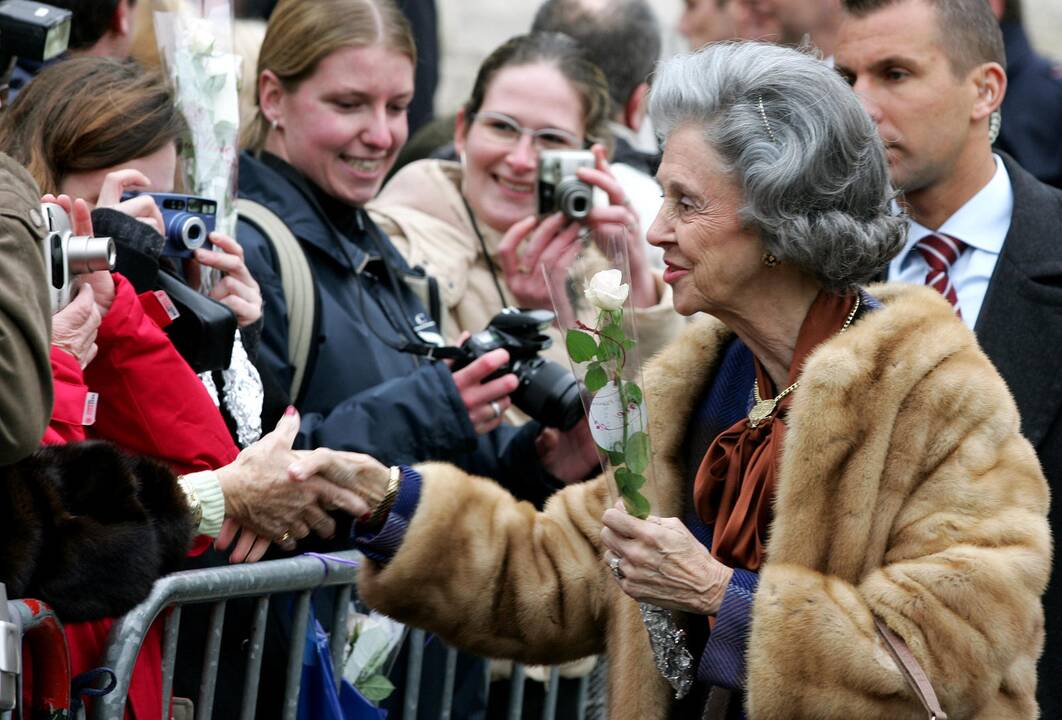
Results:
982 223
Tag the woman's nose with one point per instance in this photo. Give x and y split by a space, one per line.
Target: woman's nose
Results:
523 157
378 132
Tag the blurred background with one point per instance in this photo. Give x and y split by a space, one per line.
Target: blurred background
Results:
469 29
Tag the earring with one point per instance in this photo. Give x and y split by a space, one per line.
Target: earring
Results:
274 124
769 260
995 123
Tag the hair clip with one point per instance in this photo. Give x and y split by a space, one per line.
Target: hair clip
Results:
766 123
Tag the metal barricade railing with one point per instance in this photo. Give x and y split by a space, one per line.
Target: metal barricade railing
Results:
301 575
31 623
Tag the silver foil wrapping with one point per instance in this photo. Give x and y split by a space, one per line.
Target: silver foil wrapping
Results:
668 641
243 394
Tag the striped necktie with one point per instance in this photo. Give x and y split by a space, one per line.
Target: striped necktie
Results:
940 252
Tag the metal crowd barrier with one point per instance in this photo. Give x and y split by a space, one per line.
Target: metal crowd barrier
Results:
33 624
301 575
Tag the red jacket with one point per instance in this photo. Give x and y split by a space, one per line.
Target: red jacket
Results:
149 403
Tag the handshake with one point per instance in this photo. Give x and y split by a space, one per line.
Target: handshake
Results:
274 494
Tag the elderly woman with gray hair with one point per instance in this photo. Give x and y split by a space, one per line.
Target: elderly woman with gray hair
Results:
839 470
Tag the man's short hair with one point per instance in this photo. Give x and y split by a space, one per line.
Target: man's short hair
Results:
91 21
968 30
622 37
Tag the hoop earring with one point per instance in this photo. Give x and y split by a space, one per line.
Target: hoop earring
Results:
769 260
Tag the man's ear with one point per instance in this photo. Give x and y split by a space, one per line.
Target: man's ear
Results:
991 80
636 106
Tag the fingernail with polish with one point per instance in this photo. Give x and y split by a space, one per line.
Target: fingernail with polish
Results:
290 411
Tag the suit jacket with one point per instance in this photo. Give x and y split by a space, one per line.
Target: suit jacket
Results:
1020 329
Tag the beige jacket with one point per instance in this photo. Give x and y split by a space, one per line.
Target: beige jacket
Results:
905 490
422 211
25 316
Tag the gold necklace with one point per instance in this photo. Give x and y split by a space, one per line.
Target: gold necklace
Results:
763 409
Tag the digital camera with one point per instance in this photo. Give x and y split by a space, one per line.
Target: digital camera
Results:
188 221
547 391
559 188
67 255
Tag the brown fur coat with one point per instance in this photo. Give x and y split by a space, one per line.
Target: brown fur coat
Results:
905 490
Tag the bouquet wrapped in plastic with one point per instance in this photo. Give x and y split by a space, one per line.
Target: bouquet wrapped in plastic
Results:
196 45
595 315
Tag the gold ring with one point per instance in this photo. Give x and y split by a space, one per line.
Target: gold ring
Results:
284 538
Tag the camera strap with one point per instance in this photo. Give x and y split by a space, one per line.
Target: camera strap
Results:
486 253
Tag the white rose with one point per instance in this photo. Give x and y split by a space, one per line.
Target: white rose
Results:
605 290
199 36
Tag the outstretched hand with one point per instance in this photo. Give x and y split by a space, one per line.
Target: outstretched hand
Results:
262 498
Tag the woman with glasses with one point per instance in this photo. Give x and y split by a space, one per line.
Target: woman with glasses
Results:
473 225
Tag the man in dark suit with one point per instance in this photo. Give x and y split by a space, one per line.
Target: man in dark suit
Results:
982 230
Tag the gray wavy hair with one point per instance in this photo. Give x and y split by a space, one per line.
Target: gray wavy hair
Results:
811 166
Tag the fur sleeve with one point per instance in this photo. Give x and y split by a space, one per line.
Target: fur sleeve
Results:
958 500
493 575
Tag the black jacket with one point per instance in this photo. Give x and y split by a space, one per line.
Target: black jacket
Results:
361 392
1020 329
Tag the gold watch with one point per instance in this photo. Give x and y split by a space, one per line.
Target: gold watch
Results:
381 510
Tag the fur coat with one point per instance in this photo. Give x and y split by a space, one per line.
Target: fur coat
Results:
905 490
88 529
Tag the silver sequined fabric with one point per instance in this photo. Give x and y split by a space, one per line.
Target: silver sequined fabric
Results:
668 641
243 394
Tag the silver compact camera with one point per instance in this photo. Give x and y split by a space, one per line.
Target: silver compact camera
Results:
67 255
559 188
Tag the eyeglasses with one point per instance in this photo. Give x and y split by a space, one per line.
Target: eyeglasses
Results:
504 130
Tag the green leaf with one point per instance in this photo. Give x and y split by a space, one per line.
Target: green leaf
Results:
375 688
624 481
628 344
638 452
613 332
633 393
637 505
581 346
596 378
615 457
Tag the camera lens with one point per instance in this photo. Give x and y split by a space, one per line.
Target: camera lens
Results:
549 393
574 199
89 254
191 232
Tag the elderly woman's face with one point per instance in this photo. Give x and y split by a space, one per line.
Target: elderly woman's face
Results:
500 168
711 260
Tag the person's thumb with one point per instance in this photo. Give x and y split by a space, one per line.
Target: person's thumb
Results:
287 428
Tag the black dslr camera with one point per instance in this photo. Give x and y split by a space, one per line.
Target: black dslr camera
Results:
547 391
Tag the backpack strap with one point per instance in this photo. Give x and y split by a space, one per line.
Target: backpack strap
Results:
297 283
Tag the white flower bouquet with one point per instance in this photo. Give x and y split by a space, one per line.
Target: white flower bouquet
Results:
196 46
